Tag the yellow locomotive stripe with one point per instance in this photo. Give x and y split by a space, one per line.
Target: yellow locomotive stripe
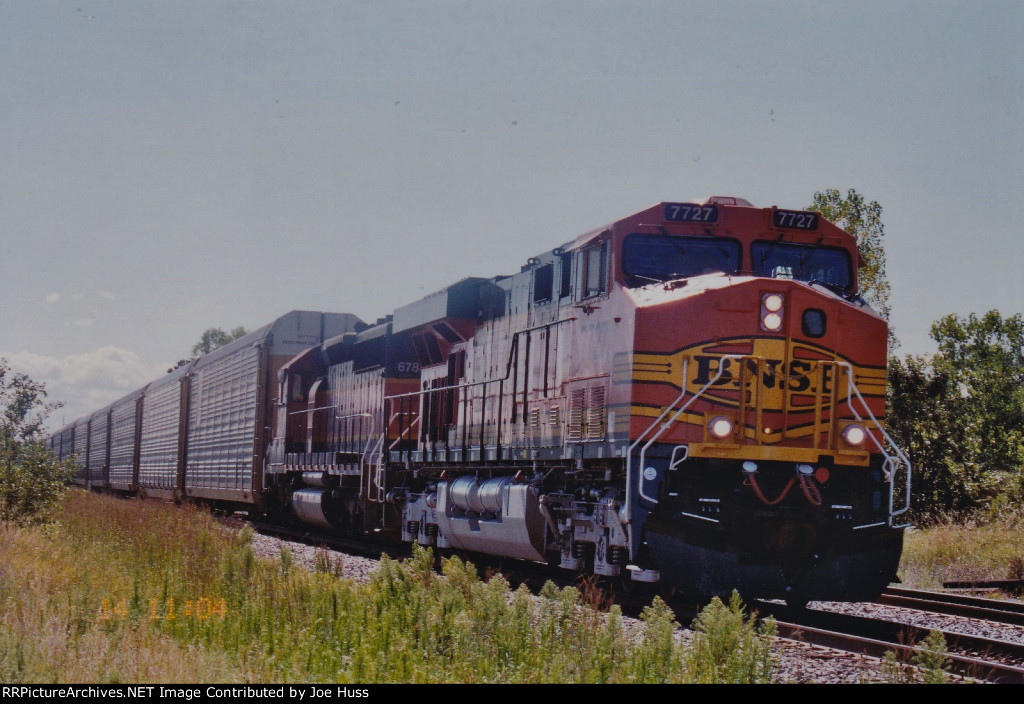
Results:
768 447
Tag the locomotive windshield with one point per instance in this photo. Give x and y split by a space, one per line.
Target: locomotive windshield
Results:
786 260
656 258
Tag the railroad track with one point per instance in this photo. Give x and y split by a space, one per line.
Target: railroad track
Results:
1011 612
971 656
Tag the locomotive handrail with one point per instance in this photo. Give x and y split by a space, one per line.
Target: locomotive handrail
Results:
889 466
407 428
508 366
664 427
378 449
310 410
349 415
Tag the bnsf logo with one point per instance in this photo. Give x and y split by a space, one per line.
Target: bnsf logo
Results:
796 375
777 376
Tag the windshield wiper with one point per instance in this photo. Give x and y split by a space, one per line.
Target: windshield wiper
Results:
767 252
648 278
726 253
842 291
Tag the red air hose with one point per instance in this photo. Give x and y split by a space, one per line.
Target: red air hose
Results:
807 485
810 490
765 501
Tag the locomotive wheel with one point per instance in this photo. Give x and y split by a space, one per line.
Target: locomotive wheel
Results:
796 600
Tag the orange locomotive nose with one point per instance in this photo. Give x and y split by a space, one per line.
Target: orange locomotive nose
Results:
787 386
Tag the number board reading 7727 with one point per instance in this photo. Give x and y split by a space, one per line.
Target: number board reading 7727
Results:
795 219
691 212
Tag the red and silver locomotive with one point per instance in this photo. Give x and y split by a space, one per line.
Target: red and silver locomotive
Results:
693 394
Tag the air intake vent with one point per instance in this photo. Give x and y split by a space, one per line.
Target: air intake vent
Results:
577 402
596 414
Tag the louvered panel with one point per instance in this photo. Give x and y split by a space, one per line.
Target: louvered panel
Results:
534 417
595 424
577 403
553 417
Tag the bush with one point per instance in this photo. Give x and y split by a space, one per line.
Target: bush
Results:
729 647
31 479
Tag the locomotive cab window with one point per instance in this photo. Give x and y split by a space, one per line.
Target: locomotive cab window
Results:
543 283
594 266
565 276
650 259
804 262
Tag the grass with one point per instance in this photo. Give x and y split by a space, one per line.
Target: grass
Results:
929 665
972 551
127 591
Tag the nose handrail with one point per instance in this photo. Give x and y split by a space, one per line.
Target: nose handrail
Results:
895 459
664 427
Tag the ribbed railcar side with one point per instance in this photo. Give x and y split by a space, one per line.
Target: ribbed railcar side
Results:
99 444
161 427
81 450
64 442
67 442
123 442
230 404
223 401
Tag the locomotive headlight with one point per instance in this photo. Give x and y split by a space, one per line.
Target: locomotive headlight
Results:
773 302
772 305
720 427
772 321
854 434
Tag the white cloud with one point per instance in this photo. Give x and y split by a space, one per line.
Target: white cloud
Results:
83 322
107 295
77 296
53 297
86 382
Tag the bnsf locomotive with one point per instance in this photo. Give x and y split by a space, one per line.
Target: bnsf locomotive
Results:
693 394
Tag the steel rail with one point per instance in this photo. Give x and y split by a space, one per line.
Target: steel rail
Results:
955 605
896 635
959 664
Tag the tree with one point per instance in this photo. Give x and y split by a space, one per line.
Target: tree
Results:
212 339
983 360
960 416
31 478
863 220
922 421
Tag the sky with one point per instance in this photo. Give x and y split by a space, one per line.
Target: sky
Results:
171 166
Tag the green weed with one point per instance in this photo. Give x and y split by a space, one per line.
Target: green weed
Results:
132 591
